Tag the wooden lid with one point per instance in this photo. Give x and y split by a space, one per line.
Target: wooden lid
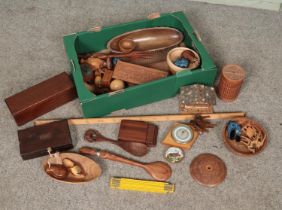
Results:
208 169
233 72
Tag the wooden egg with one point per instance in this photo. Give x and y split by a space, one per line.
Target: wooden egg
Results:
68 163
75 170
117 85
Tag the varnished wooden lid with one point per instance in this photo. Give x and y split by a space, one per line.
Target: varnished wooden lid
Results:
208 169
233 72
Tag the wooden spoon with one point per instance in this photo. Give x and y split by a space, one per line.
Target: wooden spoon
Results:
159 170
134 148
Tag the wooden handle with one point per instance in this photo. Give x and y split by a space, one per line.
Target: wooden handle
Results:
88 151
109 156
103 138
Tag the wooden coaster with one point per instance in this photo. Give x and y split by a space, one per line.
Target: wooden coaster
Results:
170 141
208 169
240 148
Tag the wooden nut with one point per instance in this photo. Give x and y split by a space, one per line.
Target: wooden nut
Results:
57 171
75 170
68 163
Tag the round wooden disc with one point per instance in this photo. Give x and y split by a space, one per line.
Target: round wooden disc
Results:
208 169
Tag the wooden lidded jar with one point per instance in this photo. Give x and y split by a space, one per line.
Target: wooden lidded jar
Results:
230 82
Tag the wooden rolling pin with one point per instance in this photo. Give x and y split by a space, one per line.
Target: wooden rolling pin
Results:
149 118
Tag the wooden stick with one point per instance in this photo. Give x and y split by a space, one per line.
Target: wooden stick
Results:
150 118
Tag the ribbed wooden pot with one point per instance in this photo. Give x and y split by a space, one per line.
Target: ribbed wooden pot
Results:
230 82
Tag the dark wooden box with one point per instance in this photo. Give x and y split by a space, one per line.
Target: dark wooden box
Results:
35 141
41 98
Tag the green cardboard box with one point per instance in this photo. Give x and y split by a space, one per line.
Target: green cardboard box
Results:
91 41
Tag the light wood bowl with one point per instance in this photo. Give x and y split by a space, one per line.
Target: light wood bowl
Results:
237 147
91 169
176 53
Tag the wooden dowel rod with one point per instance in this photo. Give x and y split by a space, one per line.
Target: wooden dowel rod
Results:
150 118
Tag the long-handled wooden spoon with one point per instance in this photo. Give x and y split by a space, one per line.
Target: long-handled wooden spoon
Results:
159 170
134 148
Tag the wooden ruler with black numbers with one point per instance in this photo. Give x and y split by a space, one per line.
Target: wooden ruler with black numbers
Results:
148 118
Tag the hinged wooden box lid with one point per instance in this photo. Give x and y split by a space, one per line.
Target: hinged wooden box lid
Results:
35 141
41 98
138 131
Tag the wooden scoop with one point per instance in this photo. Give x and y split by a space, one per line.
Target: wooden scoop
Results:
134 148
159 170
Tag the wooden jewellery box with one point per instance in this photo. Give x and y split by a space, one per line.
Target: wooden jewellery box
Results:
96 40
35 141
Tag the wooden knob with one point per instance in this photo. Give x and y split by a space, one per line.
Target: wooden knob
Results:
126 45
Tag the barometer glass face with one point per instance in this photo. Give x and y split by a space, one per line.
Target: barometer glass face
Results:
182 134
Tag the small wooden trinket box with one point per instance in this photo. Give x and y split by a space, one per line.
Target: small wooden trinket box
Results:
195 99
35 141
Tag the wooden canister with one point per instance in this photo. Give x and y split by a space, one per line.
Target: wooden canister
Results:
230 82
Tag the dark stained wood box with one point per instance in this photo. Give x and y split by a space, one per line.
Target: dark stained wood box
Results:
35 141
41 98
138 131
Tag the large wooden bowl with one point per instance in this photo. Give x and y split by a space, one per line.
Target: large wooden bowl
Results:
155 41
89 166
237 147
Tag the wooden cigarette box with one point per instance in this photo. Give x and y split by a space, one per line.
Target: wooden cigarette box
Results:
137 74
138 131
35 141
41 98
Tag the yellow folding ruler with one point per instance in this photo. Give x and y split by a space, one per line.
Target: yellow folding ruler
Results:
141 185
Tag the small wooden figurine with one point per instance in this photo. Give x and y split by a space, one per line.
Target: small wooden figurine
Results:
107 78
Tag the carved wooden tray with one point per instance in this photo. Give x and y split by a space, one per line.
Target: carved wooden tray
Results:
91 169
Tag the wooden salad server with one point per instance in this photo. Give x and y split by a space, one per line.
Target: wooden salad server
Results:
134 148
159 170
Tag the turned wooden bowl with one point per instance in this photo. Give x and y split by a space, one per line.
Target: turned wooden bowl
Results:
156 42
174 54
237 147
